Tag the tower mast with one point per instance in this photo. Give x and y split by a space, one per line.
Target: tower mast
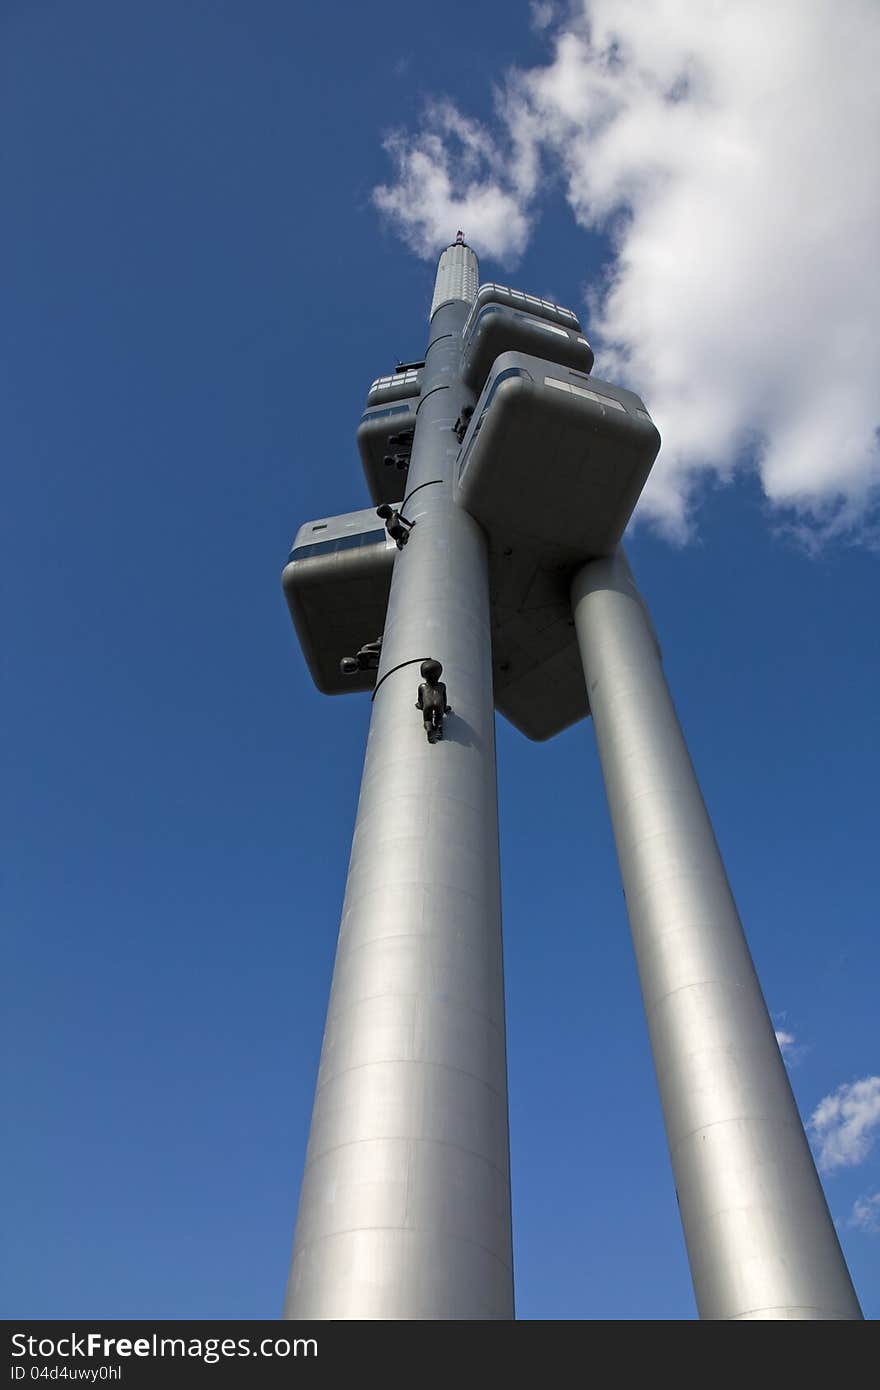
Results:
405 1203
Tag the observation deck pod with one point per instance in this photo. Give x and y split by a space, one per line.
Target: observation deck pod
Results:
384 438
529 304
554 459
552 465
397 386
336 582
499 328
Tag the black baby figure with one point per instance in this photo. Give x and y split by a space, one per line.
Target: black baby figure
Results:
432 699
367 659
396 525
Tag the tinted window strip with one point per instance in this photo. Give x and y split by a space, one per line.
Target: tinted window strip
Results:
389 410
303 552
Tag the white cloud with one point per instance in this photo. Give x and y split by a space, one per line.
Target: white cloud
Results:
731 151
542 13
792 1050
787 1043
843 1126
866 1213
449 176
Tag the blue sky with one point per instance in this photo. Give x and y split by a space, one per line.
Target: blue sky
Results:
199 290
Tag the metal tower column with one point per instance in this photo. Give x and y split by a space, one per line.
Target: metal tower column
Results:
760 1240
405 1203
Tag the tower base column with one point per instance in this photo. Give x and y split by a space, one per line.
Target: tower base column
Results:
760 1239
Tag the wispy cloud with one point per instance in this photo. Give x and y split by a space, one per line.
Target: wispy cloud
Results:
729 150
866 1213
787 1044
448 176
844 1124
542 13
792 1049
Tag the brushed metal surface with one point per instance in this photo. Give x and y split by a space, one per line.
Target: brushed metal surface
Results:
457 278
405 1203
760 1239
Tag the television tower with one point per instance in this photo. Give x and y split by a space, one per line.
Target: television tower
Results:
489 575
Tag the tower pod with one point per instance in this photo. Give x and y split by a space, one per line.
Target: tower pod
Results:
397 386
336 583
554 460
384 439
498 328
551 466
491 293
